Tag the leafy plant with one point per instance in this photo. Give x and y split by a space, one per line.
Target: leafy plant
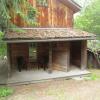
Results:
2 46
11 8
5 91
89 18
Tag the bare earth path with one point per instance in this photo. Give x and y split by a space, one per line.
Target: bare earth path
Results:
58 90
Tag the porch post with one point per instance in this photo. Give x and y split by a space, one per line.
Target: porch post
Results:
50 58
68 56
8 60
83 55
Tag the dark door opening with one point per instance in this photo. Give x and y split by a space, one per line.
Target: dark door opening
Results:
20 63
75 53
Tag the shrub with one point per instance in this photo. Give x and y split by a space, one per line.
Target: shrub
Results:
5 91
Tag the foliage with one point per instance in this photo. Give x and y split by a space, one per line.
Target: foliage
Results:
94 45
95 75
89 19
1 35
5 91
42 2
2 46
8 8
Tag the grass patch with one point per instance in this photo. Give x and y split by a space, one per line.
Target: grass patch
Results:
95 75
5 91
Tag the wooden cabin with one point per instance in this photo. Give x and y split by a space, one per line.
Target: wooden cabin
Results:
54 44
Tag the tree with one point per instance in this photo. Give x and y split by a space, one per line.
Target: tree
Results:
16 7
89 19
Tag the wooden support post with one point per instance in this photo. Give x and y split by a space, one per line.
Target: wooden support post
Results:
50 58
83 55
68 56
8 60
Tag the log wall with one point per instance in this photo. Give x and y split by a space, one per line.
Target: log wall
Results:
18 50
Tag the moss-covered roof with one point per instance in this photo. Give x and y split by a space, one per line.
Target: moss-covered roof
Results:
48 33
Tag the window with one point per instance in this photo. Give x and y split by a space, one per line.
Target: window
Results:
33 51
42 3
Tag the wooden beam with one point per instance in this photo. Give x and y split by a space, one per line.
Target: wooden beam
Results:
68 56
50 58
83 55
8 60
45 40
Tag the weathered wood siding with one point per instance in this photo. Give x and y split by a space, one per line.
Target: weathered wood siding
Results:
55 14
59 14
43 16
64 54
18 50
60 55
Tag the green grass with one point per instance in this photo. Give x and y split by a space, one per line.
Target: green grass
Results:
95 75
5 91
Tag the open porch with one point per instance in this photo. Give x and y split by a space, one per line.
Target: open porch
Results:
49 56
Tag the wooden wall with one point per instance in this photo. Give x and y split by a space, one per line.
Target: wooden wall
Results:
60 55
55 14
18 50
60 15
42 50
61 58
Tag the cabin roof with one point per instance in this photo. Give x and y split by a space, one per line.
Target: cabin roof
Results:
47 34
71 4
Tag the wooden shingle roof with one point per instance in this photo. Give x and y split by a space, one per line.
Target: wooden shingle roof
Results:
47 34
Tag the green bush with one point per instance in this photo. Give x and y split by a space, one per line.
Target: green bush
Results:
3 46
5 91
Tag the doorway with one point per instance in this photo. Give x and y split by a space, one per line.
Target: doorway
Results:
75 53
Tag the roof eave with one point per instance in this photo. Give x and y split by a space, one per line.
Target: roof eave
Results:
71 4
46 40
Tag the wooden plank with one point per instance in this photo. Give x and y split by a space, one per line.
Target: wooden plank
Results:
83 55
47 40
50 58
21 49
9 60
68 55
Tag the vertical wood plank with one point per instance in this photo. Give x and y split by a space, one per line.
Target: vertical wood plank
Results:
50 58
68 56
8 60
83 55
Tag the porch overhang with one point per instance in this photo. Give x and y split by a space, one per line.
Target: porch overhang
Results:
21 35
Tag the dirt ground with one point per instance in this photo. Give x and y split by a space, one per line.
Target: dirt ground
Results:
58 90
